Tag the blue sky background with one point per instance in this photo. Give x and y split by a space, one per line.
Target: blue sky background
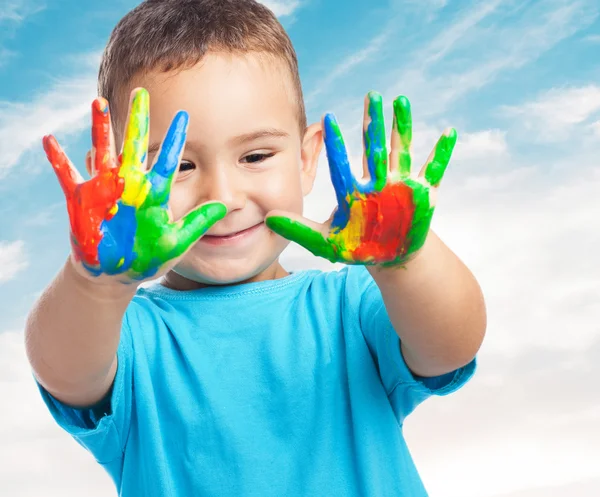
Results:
520 80
344 48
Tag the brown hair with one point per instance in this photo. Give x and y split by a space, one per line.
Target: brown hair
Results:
167 35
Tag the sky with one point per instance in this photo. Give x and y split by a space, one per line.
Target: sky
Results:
519 80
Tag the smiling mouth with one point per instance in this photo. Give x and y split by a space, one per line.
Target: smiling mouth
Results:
232 237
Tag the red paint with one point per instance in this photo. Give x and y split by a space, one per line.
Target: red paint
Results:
101 135
90 203
384 240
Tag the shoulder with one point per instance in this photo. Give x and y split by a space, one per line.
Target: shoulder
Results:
349 285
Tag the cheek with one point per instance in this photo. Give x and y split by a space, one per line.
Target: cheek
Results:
281 189
181 201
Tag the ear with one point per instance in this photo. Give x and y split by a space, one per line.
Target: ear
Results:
89 166
312 143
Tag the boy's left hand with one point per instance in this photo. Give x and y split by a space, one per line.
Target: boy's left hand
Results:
386 219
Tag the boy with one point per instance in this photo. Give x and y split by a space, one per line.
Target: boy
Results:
231 376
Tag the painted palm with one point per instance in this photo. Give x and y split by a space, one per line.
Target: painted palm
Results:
384 220
120 221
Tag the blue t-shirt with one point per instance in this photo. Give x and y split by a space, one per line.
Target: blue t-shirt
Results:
290 387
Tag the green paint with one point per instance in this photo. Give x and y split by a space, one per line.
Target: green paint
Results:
422 217
330 247
303 235
436 168
135 143
158 240
403 126
375 143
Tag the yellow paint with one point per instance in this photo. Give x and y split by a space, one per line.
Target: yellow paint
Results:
350 238
135 147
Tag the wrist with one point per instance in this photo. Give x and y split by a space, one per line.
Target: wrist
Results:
416 261
100 288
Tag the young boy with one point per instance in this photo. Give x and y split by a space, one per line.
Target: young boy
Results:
231 376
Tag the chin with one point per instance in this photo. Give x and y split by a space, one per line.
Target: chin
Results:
228 271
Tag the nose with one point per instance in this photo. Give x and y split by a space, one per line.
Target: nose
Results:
224 185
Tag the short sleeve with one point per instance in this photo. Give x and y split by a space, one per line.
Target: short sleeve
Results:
103 428
404 389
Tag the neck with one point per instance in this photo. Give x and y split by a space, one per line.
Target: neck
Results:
175 281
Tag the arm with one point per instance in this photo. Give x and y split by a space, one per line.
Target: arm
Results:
436 308
121 235
72 335
434 303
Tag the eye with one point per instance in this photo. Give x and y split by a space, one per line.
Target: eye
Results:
256 158
186 165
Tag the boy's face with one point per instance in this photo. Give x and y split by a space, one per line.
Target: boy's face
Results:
245 149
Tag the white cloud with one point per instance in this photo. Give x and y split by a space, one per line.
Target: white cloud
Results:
38 458
583 488
349 63
481 54
12 15
64 108
16 11
552 115
593 38
527 426
12 259
528 419
481 144
445 41
525 230
282 8
381 43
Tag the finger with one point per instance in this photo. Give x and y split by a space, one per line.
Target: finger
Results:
400 160
67 174
197 222
167 161
374 140
438 160
101 137
339 166
135 143
304 233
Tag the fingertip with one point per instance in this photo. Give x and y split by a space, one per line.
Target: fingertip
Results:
49 143
402 105
374 112
140 99
139 91
329 123
450 136
276 222
181 121
100 105
215 210
374 96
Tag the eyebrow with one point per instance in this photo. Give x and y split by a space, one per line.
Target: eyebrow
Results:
240 139
260 133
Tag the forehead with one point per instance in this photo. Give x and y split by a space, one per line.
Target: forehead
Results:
224 94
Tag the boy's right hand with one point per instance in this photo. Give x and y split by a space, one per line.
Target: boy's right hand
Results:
121 228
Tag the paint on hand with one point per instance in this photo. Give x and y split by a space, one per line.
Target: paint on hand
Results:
119 218
386 220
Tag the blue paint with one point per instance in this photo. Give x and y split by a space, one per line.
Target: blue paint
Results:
118 238
167 162
339 168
